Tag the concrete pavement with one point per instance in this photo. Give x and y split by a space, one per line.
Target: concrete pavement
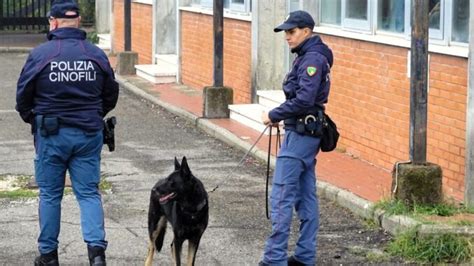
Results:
148 138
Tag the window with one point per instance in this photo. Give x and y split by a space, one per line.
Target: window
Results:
239 5
460 23
331 12
436 9
434 14
391 16
243 6
356 9
295 5
353 14
448 19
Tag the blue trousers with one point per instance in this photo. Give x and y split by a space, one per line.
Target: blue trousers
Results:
294 186
78 152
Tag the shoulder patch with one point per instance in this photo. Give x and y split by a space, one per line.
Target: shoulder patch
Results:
311 70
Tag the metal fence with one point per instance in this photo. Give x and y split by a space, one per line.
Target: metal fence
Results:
30 15
24 15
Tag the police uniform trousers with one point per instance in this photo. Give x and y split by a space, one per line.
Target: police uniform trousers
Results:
78 152
294 186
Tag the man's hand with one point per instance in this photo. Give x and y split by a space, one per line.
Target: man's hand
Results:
266 120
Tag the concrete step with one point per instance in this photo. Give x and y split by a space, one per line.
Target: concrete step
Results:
160 73
250 115
270 98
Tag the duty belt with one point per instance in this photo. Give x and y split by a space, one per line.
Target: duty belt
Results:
309 124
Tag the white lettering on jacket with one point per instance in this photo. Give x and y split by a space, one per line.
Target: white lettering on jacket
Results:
72 71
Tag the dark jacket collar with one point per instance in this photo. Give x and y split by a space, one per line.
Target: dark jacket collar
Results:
67 33
314 44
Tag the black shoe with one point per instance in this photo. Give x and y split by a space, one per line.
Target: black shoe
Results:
261 263
48 259
96 256
293 262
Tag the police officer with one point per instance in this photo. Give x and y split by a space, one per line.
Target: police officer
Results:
64 91
306 88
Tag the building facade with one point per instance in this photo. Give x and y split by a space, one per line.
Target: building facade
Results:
370 77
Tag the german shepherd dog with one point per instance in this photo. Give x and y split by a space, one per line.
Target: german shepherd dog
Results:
181 200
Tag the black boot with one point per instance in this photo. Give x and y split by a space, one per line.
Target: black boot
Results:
293 262
96 256
48 259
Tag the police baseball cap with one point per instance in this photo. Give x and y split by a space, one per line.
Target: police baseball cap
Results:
59 9
296 19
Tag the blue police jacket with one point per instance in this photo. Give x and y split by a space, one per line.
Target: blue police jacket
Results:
69 78
306 86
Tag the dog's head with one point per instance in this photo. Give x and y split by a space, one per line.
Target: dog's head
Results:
179 183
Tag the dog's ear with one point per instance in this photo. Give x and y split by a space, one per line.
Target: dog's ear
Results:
185 168
176 164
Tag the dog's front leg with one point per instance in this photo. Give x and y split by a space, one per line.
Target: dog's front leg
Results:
151 251
192 249
176 247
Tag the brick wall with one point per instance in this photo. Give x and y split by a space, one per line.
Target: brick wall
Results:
370 100
198 48
142 21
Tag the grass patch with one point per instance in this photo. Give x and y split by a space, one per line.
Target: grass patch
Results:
377 257
392 207
104 185
19 193
397 207
371 224
67 191
443 248
22 180
463 223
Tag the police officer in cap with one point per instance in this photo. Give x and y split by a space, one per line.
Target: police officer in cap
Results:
306 88
64 91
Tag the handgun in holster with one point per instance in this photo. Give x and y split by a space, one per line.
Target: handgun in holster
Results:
109 134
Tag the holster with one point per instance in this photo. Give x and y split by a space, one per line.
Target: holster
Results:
109 132
47 125
309 124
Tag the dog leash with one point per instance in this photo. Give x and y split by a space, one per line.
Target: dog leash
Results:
277 145
243 158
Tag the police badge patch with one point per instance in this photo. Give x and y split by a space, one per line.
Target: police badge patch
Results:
311 70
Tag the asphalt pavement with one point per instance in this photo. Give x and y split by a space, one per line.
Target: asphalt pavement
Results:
147 140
